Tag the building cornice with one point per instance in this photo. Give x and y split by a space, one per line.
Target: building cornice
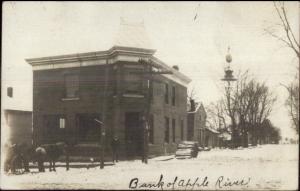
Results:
113 55
90 55
175 72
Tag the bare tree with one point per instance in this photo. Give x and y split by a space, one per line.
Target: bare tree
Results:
288 36
247 105
260 107
290 40
192 97
216 115
292 102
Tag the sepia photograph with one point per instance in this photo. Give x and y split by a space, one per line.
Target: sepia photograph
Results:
150 95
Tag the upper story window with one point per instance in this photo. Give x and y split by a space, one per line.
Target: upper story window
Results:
151 90
71 86
133 80
166 93
173 96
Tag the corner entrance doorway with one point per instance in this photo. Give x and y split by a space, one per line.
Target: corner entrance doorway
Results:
133 134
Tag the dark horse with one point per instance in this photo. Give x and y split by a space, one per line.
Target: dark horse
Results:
17 156
49 152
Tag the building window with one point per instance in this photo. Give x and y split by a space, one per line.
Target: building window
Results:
182 129
62 123
52 128
167 129
173 130
133 81
89 130
199 138
151 129
151 86
173 95
71 86
10 92
166 93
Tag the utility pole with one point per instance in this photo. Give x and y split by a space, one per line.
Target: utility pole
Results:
146 121
148 76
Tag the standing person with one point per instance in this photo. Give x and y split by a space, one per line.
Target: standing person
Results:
115 144
9 149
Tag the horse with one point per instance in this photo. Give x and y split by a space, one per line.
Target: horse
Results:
49 152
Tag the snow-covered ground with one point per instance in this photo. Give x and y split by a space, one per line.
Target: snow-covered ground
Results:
267 167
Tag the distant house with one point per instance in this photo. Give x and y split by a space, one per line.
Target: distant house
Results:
267 133
196 118
19 124
197 129
211 138
224 138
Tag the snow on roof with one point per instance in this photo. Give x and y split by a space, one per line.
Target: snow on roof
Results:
132 35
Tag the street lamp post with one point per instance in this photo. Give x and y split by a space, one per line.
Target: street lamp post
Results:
229 78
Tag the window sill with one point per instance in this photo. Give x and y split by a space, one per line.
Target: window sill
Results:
70 99
133 95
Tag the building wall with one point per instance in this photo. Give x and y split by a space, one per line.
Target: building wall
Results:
161 110
48 94
202 122
191 126
20 126
198 131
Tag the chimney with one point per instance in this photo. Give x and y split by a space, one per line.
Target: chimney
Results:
193 107
176 67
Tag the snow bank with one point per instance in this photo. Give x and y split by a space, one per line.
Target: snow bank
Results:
265 167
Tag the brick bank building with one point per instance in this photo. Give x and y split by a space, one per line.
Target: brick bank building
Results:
71 91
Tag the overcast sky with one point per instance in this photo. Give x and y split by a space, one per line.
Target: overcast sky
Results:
198 47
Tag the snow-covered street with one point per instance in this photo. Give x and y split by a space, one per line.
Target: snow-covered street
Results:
263 167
